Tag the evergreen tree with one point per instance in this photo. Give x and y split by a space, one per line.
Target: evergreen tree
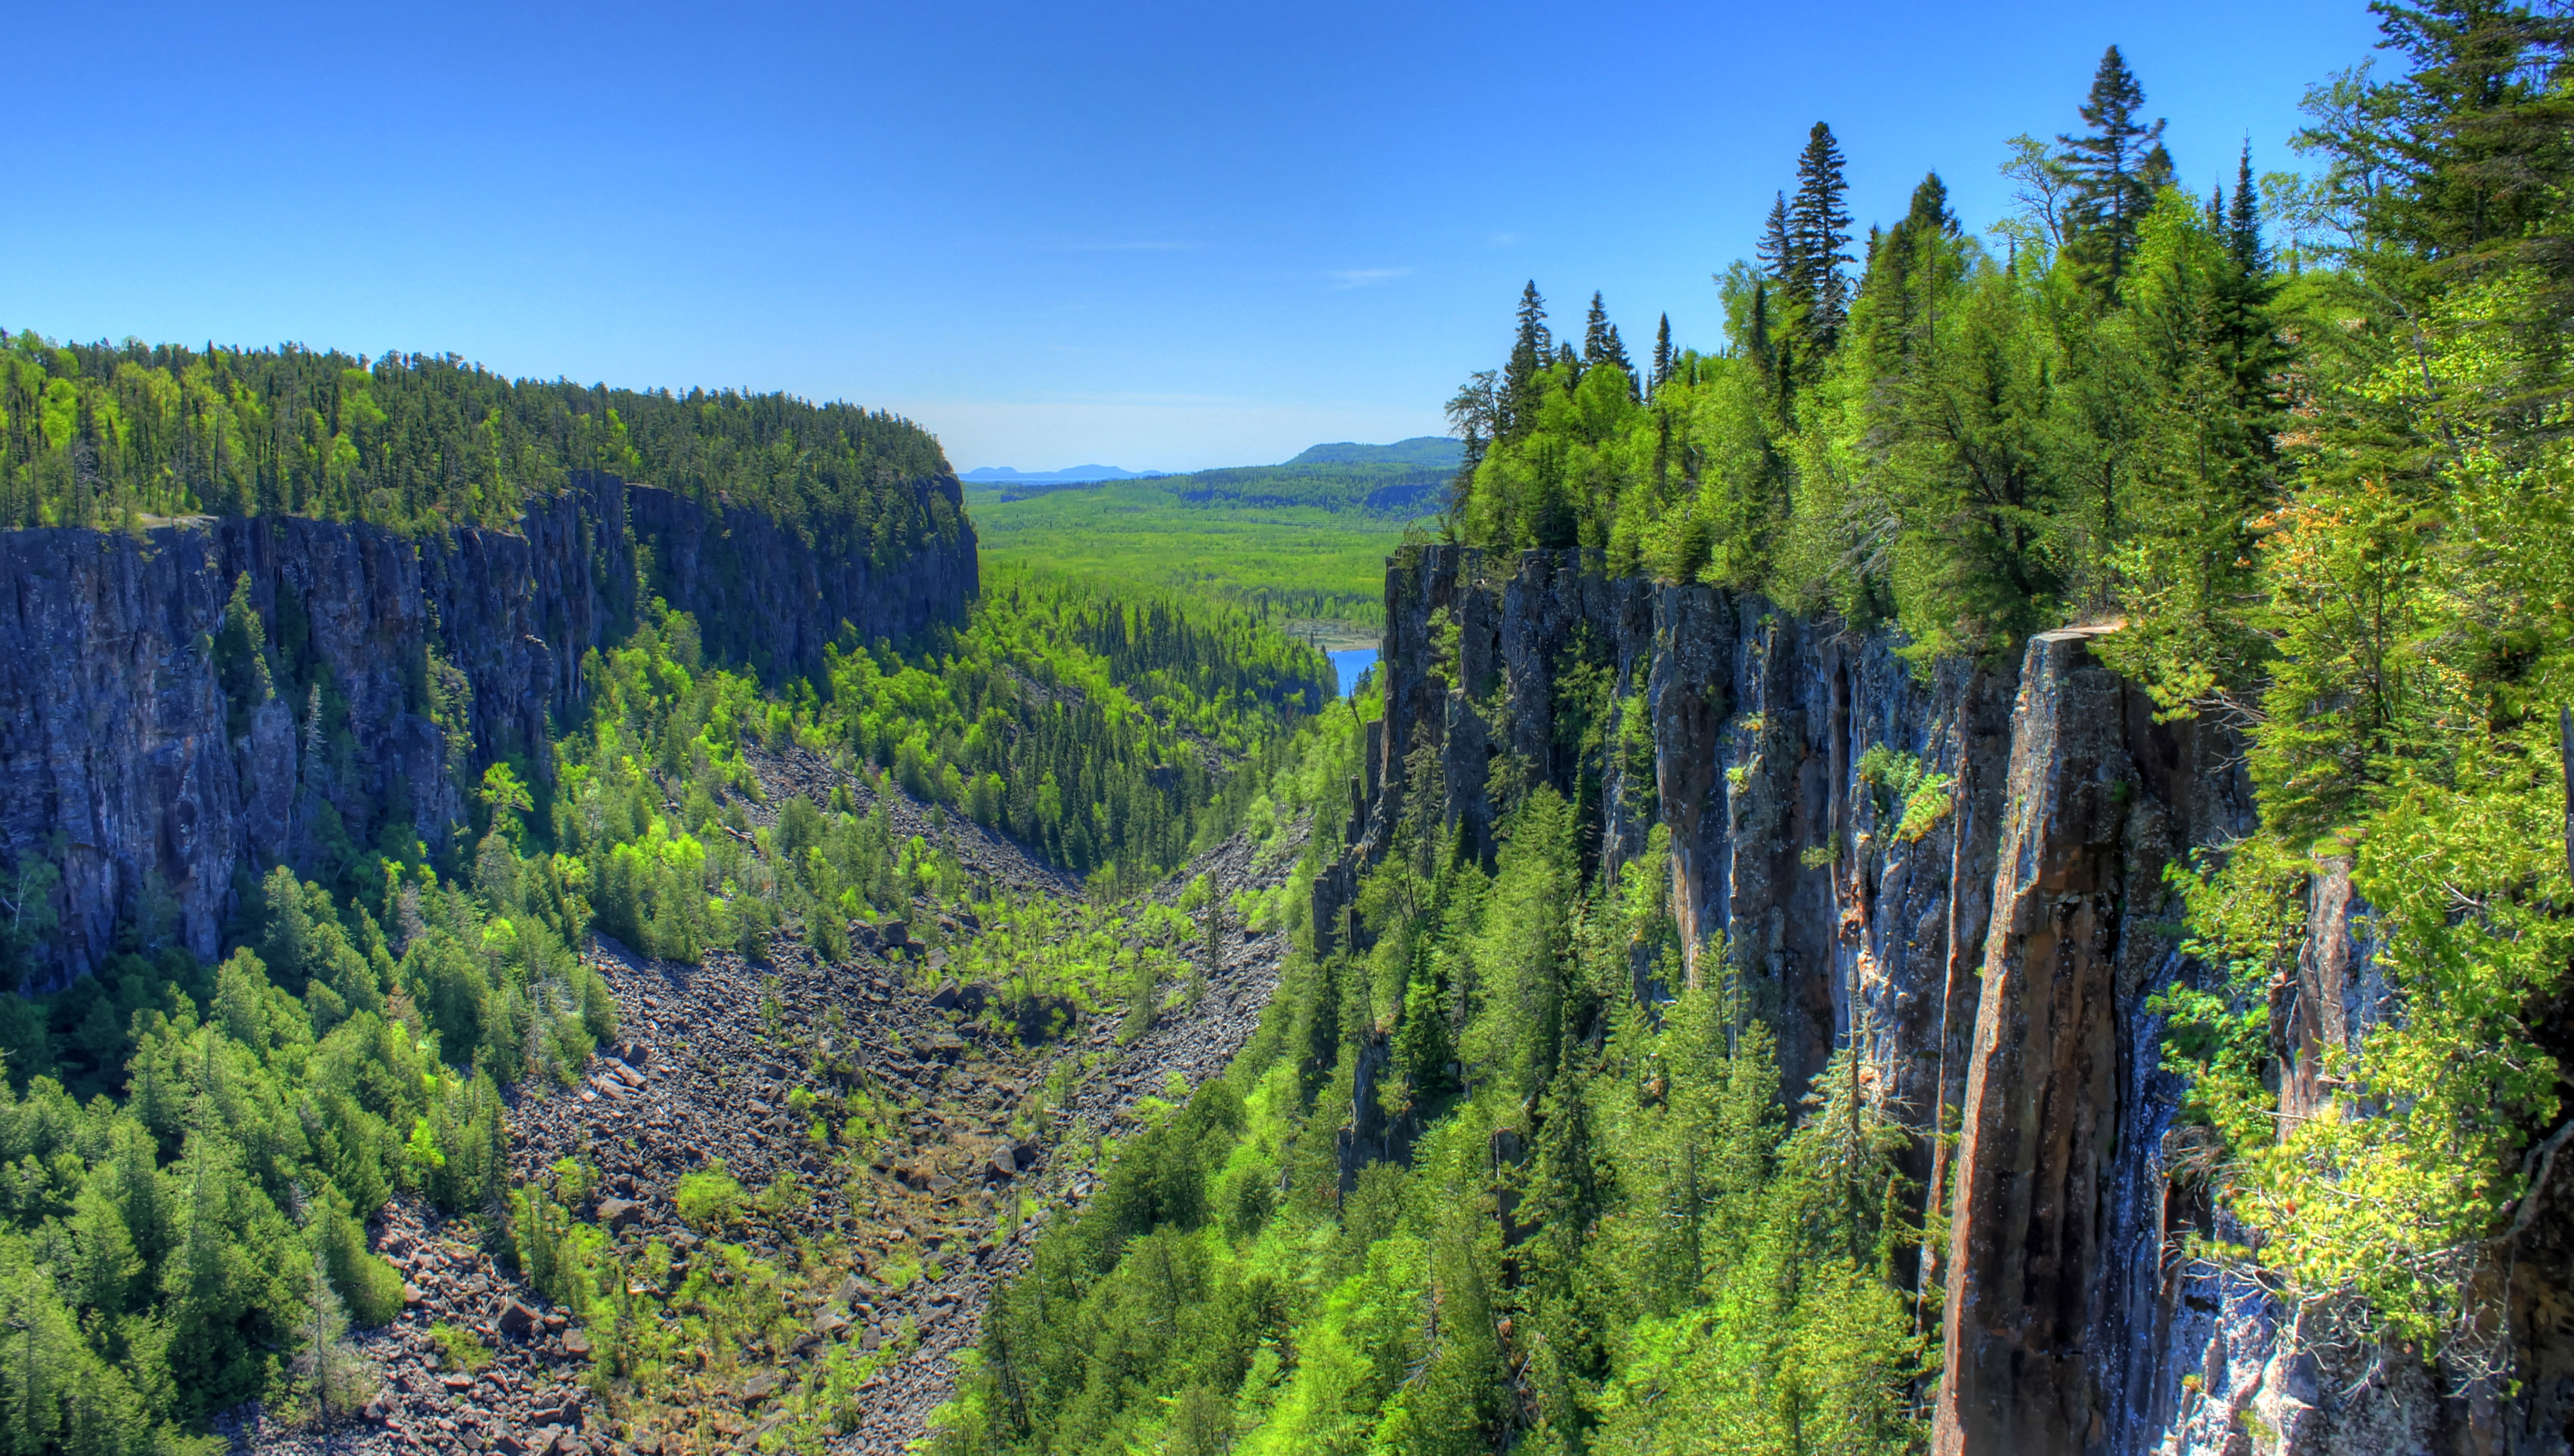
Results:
1595 333
1662 352
2243 219
1601 345
1819 234
2115 168
1778 247
1531 351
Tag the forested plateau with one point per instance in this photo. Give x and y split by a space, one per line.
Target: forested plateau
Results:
1982 866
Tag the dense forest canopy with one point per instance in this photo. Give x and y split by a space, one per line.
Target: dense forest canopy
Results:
101 434
2303 437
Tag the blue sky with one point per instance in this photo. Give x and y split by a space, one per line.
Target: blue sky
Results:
1157 236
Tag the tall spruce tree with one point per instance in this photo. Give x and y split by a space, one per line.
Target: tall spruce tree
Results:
1532 349
2115 168
1596 333
2243 218
1601 345
1818 235
1777 247
1662 352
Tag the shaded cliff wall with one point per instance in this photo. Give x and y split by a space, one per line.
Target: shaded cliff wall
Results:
1994 964
406 667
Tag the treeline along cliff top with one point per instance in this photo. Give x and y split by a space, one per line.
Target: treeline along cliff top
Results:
106 434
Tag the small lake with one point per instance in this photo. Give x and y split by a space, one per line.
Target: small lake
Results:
1350 664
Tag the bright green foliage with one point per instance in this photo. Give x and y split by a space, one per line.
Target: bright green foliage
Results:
1117 734
1603 1233
710 1198
153 1246
419 441
2418 587
1112 735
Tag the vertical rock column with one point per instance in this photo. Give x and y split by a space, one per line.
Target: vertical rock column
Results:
2040 1106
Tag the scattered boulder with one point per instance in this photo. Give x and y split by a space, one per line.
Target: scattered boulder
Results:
1002 1168
517 1319
620 1215
946 996
576 1344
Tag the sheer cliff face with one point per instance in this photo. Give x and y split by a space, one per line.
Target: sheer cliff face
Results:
125 763
1994 959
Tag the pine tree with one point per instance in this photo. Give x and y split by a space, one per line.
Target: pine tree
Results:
1595 334
2243 220
1662 352
1600 344
1530 353
1819 234
2113 169
1778 249
1626 365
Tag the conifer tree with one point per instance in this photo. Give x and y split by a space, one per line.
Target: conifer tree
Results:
1595 334
1819 234
2115 168
2243 219
1601 345
1662 352
1778 249
1531 351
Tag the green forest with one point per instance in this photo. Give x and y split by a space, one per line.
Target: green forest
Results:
123 434
1306 539
2302 434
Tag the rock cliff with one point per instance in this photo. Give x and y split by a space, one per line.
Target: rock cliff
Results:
1961 869
398 670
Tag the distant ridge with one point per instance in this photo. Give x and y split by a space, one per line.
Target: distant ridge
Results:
1439 452
1003 475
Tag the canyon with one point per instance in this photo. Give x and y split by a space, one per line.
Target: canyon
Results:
1958 868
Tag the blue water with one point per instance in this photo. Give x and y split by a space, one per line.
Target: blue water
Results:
1349 664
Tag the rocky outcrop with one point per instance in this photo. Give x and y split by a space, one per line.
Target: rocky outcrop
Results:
1958 869
399 669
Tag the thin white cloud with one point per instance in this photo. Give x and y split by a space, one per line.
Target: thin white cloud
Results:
1502 240
1365 276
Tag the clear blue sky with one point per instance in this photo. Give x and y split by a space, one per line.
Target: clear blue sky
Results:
1167 236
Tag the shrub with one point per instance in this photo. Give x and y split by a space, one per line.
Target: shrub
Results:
709 1199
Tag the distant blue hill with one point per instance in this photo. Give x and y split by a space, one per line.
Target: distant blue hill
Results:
1438 452
1003 475
1404 480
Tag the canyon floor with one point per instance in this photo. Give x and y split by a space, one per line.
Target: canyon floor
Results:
894 1253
